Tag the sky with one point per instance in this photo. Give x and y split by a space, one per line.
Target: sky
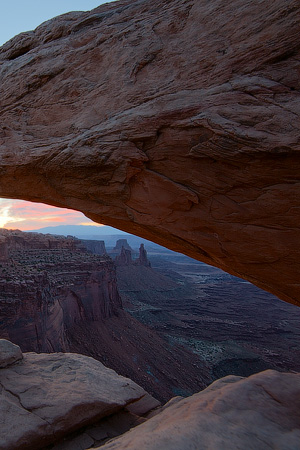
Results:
25 15
18 16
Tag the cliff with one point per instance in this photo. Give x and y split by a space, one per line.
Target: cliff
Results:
48 283
96 247
124 258
177 121
57 296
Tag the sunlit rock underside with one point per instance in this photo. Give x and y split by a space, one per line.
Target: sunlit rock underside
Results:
177 121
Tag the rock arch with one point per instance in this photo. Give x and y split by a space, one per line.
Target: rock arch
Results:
174 120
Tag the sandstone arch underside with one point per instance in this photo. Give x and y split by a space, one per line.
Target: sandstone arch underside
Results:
174 120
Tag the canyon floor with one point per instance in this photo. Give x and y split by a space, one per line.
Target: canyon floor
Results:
228 323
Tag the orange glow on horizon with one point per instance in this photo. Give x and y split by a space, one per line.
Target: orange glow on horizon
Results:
23 215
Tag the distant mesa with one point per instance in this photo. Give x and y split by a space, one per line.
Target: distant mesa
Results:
96 247
82 230
118 247
122 254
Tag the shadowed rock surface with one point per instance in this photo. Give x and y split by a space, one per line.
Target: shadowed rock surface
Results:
69 401
9 353
45 397
96 247
177 121
255 413
124 258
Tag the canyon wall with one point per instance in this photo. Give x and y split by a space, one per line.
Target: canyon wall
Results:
55 296
49 283
174 120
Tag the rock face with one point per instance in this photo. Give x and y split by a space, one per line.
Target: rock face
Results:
48 283
118 251
45 397
124 258
121 243
96 247
177 121
74 402
143 259
9 353
122 253
256 413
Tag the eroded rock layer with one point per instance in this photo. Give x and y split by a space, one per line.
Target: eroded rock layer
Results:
177 121
49 283
55 296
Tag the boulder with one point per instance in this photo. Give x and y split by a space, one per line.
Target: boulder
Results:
9 353
45 397
255 413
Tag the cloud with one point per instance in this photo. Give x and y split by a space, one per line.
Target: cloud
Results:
4 214
29 216
93 224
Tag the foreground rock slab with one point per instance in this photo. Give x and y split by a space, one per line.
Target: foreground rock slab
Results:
44 397
174 120
9 353
255 413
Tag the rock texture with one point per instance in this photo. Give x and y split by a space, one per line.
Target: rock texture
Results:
118 249
48 283
257 413
69 401
9 353
177 121
45 397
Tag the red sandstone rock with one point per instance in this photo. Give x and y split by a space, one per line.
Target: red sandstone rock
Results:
124 258
45 397
177 121
9 353
255 413
48 283
143 259
96 247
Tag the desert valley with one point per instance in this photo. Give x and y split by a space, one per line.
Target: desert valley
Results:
146 315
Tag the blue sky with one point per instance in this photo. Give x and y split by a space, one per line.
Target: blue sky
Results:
17 16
